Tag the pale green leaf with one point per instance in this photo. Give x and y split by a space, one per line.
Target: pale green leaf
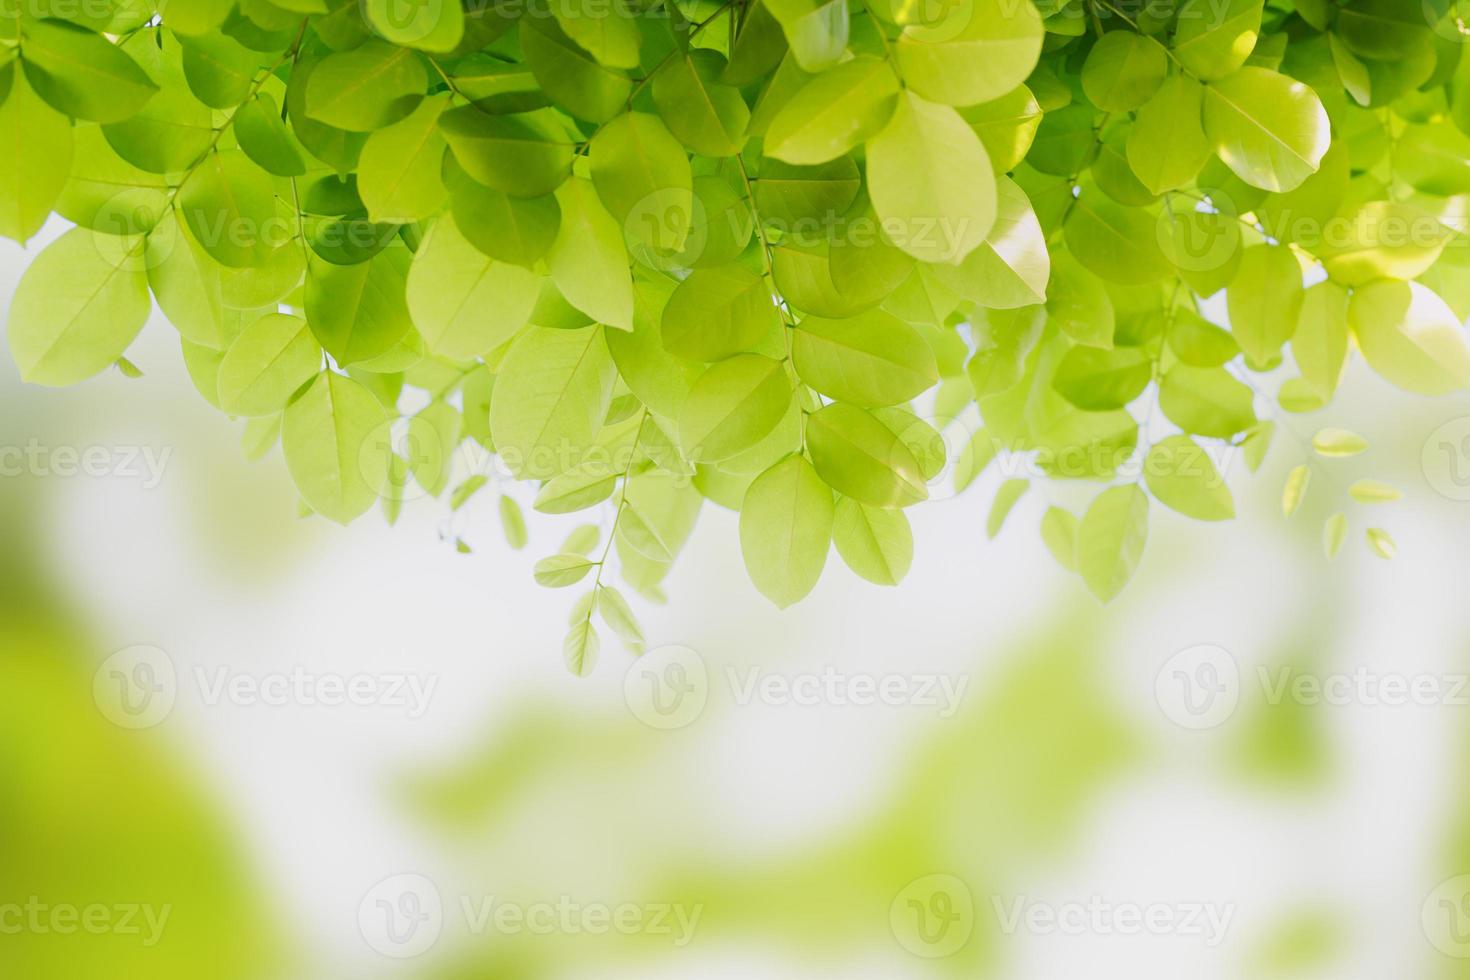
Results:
78 307
875 543
1111 539
335 437
930 181
1182 477
786 525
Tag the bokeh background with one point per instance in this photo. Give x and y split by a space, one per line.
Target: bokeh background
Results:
1050 788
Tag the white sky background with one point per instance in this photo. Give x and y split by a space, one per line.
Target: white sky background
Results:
214 567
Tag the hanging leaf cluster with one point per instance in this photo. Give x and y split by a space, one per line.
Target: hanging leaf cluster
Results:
766 254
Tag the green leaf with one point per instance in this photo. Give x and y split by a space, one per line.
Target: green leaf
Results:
230 206
974 53
1065 141
606 30
929 178
1198 342
1212 43
789 196
1320 343
1295 489
1182 477
367 88
358 312
559 571
1059 533
83 74
78 307
579 649
875 543
977 454
335 439
643 537
220 70
1004 339
1434 159
432 26
860 457
636 163
336 147
707 117
400 173
1410 336
1079 303
1334 531
265 365
572 77
1006 497
511 229
1203 246
834 112
1271 130
551 397
466 491
719 312
1167 147
618 615
433 435
524 155
732 406
1338 443
1118 243
36 141
464 303
588 259
817 30
585 485
757 48
1206 401
1111 538
1296 395
264 138
1382 240
660 380
872 359
1257 443
1006 126
583 608
198 16
1011 267
786 524
1123 70
1102 380
1265 302
1382 543
1374 492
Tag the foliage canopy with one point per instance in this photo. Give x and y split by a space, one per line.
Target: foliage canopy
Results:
773 254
